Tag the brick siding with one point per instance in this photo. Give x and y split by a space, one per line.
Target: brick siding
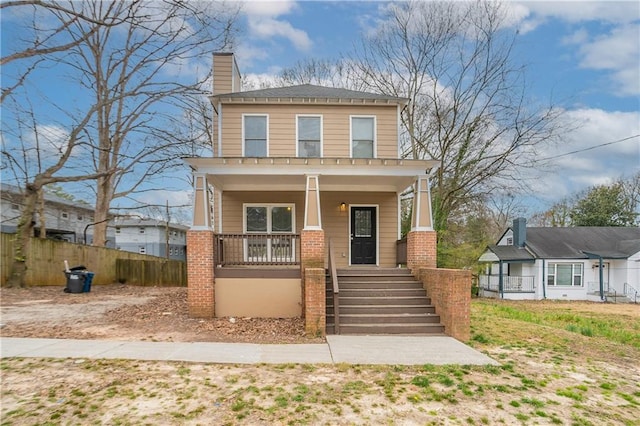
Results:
200 274
421 249
312 253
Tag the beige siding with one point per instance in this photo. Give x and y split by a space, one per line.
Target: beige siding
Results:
258 298
334 222
336 128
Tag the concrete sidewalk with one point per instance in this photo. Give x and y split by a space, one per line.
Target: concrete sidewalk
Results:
396 350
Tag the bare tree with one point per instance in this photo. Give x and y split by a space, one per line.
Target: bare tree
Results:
140 75
42 34
468 105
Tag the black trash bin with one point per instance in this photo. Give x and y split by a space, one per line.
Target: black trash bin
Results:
75 281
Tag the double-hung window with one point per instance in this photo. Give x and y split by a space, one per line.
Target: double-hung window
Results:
363 136
255 129
565 274
309 131
273 226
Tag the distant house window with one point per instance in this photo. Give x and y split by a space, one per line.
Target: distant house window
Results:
117 229
170 251
142 250
565 274
141 230
509 241
15 207
255 130
309 133
79 217
363 137
65 215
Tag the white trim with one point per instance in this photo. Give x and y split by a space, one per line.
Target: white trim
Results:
219 192
220 130
398 131
399 213
320 116
375 134
267 130
418 205
377 207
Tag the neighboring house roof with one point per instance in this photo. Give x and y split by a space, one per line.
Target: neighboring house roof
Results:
577 242
304 91
507 254
580 242
147 222
76 204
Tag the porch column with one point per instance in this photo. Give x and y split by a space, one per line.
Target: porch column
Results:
201 253
312 249
422 239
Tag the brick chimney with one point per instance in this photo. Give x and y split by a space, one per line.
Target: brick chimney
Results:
519 232
226 75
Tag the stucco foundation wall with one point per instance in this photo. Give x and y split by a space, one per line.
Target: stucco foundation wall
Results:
258 297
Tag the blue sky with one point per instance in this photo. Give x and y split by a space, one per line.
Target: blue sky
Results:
585 56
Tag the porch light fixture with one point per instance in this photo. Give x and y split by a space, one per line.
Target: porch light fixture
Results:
343 206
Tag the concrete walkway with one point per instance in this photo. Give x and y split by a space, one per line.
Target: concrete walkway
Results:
397 350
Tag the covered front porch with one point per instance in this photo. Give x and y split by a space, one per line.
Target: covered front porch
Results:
271 219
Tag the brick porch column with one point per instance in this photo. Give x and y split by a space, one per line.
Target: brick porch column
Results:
200 273
421 250
312 248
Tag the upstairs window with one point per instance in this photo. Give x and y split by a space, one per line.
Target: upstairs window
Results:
362 137
255 130
309 136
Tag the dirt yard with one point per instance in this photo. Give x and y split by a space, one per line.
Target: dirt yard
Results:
121 312
561 363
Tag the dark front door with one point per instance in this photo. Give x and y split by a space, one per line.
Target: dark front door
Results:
363 235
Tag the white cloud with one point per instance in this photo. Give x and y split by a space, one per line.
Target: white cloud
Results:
264 22
594 159
49 139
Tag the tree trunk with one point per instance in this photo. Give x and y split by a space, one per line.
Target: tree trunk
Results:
23 239
101 216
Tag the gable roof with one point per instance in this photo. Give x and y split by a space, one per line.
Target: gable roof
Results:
575 242
506 254
310 91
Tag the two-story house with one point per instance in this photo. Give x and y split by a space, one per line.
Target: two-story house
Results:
151 236
295 168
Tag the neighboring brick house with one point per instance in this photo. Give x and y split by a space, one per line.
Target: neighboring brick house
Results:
65 220
293 168
151 236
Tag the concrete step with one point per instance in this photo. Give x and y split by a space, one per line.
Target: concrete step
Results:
383 309
382 292
379 284
389 328
398 318
385 300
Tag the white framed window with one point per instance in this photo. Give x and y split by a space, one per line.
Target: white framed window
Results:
142 250
509 241
141 230
271 223
65 215
309 135
363 136
565 274
117 229
255 135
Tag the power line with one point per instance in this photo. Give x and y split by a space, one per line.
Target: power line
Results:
589 148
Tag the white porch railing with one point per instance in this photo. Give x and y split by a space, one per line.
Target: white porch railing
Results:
510 284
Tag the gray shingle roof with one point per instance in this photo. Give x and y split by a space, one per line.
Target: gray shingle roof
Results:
511 253
311 91
573 243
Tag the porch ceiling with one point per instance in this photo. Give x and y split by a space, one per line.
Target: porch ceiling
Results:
289 174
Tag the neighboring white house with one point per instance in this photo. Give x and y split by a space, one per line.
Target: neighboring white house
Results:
65 220
152 237
575 263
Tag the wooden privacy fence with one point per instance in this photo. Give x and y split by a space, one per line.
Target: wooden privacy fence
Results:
45 263
156 272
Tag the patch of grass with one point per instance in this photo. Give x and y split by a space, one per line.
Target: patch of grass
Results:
421 381
570 393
